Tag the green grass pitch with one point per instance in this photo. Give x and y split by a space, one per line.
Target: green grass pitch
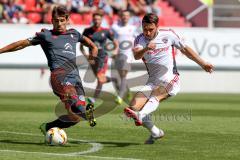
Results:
197 127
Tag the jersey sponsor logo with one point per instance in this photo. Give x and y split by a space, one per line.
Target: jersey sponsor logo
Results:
103 35
68 46
155 51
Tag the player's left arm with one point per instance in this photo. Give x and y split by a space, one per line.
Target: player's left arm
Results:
115 42
88 43
92 47
15 46
115 49
191 54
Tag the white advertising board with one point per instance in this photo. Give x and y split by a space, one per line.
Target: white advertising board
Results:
219 46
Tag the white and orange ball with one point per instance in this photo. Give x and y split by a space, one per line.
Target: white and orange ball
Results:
56 136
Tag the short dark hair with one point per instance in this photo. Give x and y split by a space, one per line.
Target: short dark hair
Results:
98 13
150 18
60 11
123 11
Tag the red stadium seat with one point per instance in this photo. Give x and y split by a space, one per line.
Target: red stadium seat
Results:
87 18
161 21
30 5
171 17
76 18
20 2
34 17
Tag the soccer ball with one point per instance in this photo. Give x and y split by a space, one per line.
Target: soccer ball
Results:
56 136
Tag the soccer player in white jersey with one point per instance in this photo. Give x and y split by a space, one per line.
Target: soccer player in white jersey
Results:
124 33
155 47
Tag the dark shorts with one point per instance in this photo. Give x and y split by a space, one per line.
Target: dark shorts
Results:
121 62
100 66
67 86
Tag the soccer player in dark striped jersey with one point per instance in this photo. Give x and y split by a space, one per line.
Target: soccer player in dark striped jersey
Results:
59 46
99 36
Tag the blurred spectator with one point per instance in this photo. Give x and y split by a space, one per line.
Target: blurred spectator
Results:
101 4
105 6
150 6
142 7
118 5
39 11
78 6
13 13
1 10
67 3
133 7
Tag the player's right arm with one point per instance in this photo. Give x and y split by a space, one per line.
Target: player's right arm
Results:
36 40
139 51
15 46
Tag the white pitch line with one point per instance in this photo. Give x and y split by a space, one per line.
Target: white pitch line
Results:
95 147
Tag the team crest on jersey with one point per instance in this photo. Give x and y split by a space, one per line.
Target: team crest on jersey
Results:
165 40
103 35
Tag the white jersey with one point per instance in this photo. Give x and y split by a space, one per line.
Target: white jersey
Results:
125 36
160 62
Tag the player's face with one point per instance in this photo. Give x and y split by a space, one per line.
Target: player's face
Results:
149 30
125 17
60 23
97 21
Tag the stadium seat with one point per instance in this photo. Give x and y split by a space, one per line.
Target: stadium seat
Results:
87 18
48 18
30 5
76 18
171 17
34 17
19 2
161 21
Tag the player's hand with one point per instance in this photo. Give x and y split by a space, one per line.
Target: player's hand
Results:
91 59
208 67
114 56
151 46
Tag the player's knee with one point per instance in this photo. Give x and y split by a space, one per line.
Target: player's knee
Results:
100 82
78 104
102 78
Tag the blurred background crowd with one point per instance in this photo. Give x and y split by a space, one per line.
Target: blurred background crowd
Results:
177 13
39 11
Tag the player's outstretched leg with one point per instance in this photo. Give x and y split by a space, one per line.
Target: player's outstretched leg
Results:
119 100
85 111
152 138
43 128
155 132
76 110
134 115
136 104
